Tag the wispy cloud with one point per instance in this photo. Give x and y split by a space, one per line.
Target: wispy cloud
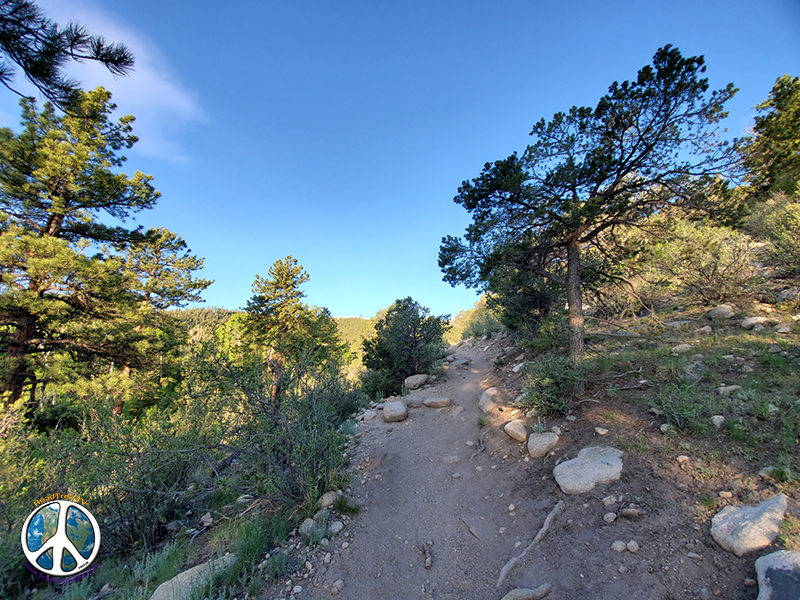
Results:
162 104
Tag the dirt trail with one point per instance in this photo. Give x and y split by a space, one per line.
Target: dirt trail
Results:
412 492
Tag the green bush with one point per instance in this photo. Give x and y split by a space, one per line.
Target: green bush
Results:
550 384
777 221
711 263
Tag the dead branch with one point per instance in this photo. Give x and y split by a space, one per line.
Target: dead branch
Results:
558 508
481 448
472 530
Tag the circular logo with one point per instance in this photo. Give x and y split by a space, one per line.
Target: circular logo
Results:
61 538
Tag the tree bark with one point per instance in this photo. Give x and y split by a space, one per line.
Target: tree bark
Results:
18 349
575 308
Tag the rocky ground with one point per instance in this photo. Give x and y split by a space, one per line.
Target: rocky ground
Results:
446 504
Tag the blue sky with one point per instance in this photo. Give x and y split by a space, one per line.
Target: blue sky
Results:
339 132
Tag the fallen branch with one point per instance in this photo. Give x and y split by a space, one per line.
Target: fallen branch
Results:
481 448
558 508
472 530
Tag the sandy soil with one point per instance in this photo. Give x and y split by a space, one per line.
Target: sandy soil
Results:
412 491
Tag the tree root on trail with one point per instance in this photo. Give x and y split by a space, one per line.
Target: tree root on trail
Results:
559 507
481 448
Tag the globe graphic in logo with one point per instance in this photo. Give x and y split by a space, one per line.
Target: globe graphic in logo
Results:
61 538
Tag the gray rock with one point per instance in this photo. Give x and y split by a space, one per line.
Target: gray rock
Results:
706 330
322 516
540 444
327 500
307 527
370 414
751 322
516 430
723 311
779 575
437 402
678 324
336 527
486 404
394 411
789 295
592 466
182 586
681 348
619 546
717 421
528 594
413 401
743 529
416 381
610 517
727 390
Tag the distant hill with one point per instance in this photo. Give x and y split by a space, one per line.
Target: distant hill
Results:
353 330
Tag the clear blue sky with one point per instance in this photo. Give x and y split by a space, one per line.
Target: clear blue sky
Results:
339 132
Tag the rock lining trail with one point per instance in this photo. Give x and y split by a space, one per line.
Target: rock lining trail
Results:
446 505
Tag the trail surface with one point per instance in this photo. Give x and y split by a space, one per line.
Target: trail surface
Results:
476 499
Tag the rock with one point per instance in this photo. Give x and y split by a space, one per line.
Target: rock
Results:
451 460
678 324
610 517
632 514
601 430
206 520
717 421
789 295
778 575
394 411
182 586
694 556
528 594
767 473
682 459
743 529
619 546
694 370
413 401
486 404
370 414
244 499
307 527
773 349
592 466
437 402
517 368
727 390
681 348
665 427
540 444
783 329
416 381
516 430
336 527
327 500
338 585
173 527
609 500
632 546
706 330
751 322
723 311
322 516
726 495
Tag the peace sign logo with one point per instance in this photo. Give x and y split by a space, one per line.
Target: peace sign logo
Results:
61 538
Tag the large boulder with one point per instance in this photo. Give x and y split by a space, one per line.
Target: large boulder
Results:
183 585
592 466
742 529
778 575
416 381
393 411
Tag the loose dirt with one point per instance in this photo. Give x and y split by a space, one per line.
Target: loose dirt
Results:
425 481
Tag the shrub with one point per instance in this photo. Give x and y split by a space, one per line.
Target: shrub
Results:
777 221
711 263
550 384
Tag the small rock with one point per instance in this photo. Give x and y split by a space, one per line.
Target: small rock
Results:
370 414
571 418
623 569
725 495
470 443
345 545
601 430
517 368
416 381
327 500
336 527
717 421
394 411
308 565
665 427
609 500
486 404
610 517
327 559
723 311
450 460
511 507
413 401
727 390
307 527
632 546
619 546
206 520
707 330
540 444
516 430
456 475
528 594
632 514
244 499
682 459
773 349
681 348
591 467
751 322
437 402
750 583
695 556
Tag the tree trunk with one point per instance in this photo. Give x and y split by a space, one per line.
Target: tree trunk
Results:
18 349
575 308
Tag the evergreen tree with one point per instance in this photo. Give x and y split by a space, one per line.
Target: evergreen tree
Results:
41 49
